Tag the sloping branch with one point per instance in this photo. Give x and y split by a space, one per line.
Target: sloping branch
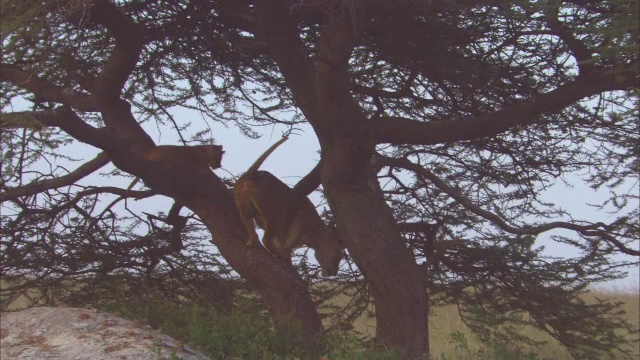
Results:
43 90
280 31
317 8
579 50
310 182
591 230
72 203
333 82
68 121
19 120
422 227
236 13
33 188
398 130
129 39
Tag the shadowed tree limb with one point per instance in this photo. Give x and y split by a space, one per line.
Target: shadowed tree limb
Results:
129 38
83 170
45 91
280 31
316 9
19 120
591 230
397 130
578 49
310 182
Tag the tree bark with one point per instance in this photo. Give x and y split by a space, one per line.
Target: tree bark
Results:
283 290
400 298
285 293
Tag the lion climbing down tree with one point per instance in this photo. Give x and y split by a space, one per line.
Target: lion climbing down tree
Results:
289 219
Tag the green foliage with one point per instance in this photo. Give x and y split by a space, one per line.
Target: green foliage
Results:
621 33
247 333
499 350
452 63
243 332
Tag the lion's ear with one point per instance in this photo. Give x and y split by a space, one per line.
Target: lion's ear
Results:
214 156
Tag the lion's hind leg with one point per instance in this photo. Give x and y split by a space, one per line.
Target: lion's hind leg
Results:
247 213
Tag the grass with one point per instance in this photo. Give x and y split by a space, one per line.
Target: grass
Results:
450 338
245 332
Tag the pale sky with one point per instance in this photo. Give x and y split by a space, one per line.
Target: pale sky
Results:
297 156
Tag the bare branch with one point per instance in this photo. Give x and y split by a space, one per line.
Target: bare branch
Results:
317 8
333 82
580 51
310 182
43 90
396 130
129 38
33 188
590 230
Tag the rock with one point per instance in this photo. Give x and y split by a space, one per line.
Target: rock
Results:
74 334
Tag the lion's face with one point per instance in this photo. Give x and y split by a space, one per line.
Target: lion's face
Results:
214 156
329 256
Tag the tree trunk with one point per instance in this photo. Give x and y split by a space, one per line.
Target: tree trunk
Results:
283 290
400 296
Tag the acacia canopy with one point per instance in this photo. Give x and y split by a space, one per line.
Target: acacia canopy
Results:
440 123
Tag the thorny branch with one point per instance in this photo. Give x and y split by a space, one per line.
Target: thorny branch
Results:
591 230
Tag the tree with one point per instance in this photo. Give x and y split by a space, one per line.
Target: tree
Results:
440 124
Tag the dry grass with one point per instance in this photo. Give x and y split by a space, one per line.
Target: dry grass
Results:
445 321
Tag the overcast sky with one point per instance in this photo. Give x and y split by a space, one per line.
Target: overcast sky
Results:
297 156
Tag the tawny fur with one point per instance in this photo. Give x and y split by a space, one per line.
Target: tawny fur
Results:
199 156
289 219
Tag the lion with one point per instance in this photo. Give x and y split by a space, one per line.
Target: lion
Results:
200 157
288 218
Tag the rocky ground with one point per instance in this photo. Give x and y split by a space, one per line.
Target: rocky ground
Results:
74 334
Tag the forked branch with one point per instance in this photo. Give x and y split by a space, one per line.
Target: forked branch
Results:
397 130
129 38
590 230
85 169
44 90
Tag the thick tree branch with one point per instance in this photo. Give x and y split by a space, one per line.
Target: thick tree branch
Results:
116 112
129 38
310 182
579 50
33 188
347 142
423 227
236 13
316 9
280 31
43 90
19 120
404 92
119 150
396 130
333 81
72 124
590 230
